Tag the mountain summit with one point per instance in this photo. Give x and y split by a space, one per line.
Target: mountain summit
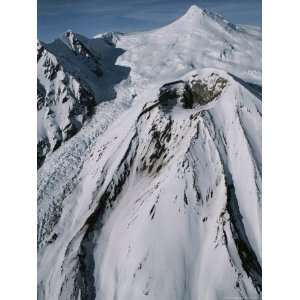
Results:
149 180
195 17
194 11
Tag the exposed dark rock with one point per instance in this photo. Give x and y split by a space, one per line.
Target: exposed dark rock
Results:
79 48
41 94
152 212
246 253
202 93
191 93
43 147
68 131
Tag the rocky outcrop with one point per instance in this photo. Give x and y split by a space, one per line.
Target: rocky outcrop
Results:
65 100
194 92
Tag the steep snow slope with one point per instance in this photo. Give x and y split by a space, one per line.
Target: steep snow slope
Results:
158 196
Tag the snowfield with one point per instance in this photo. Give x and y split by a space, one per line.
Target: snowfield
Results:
149 150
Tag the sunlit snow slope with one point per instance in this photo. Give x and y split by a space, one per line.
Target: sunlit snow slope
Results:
157 193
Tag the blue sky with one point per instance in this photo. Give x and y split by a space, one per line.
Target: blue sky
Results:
90 17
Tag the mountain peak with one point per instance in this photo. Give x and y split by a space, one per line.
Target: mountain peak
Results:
193 14
196 15
193 10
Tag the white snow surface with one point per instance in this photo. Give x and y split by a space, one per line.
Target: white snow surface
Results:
196 40
156 202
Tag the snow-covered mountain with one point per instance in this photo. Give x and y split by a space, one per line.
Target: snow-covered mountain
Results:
149 180
74 74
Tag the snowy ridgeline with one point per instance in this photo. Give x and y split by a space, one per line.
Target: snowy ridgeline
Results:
149 180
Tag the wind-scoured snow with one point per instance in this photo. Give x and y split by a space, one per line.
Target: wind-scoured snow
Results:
157 195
